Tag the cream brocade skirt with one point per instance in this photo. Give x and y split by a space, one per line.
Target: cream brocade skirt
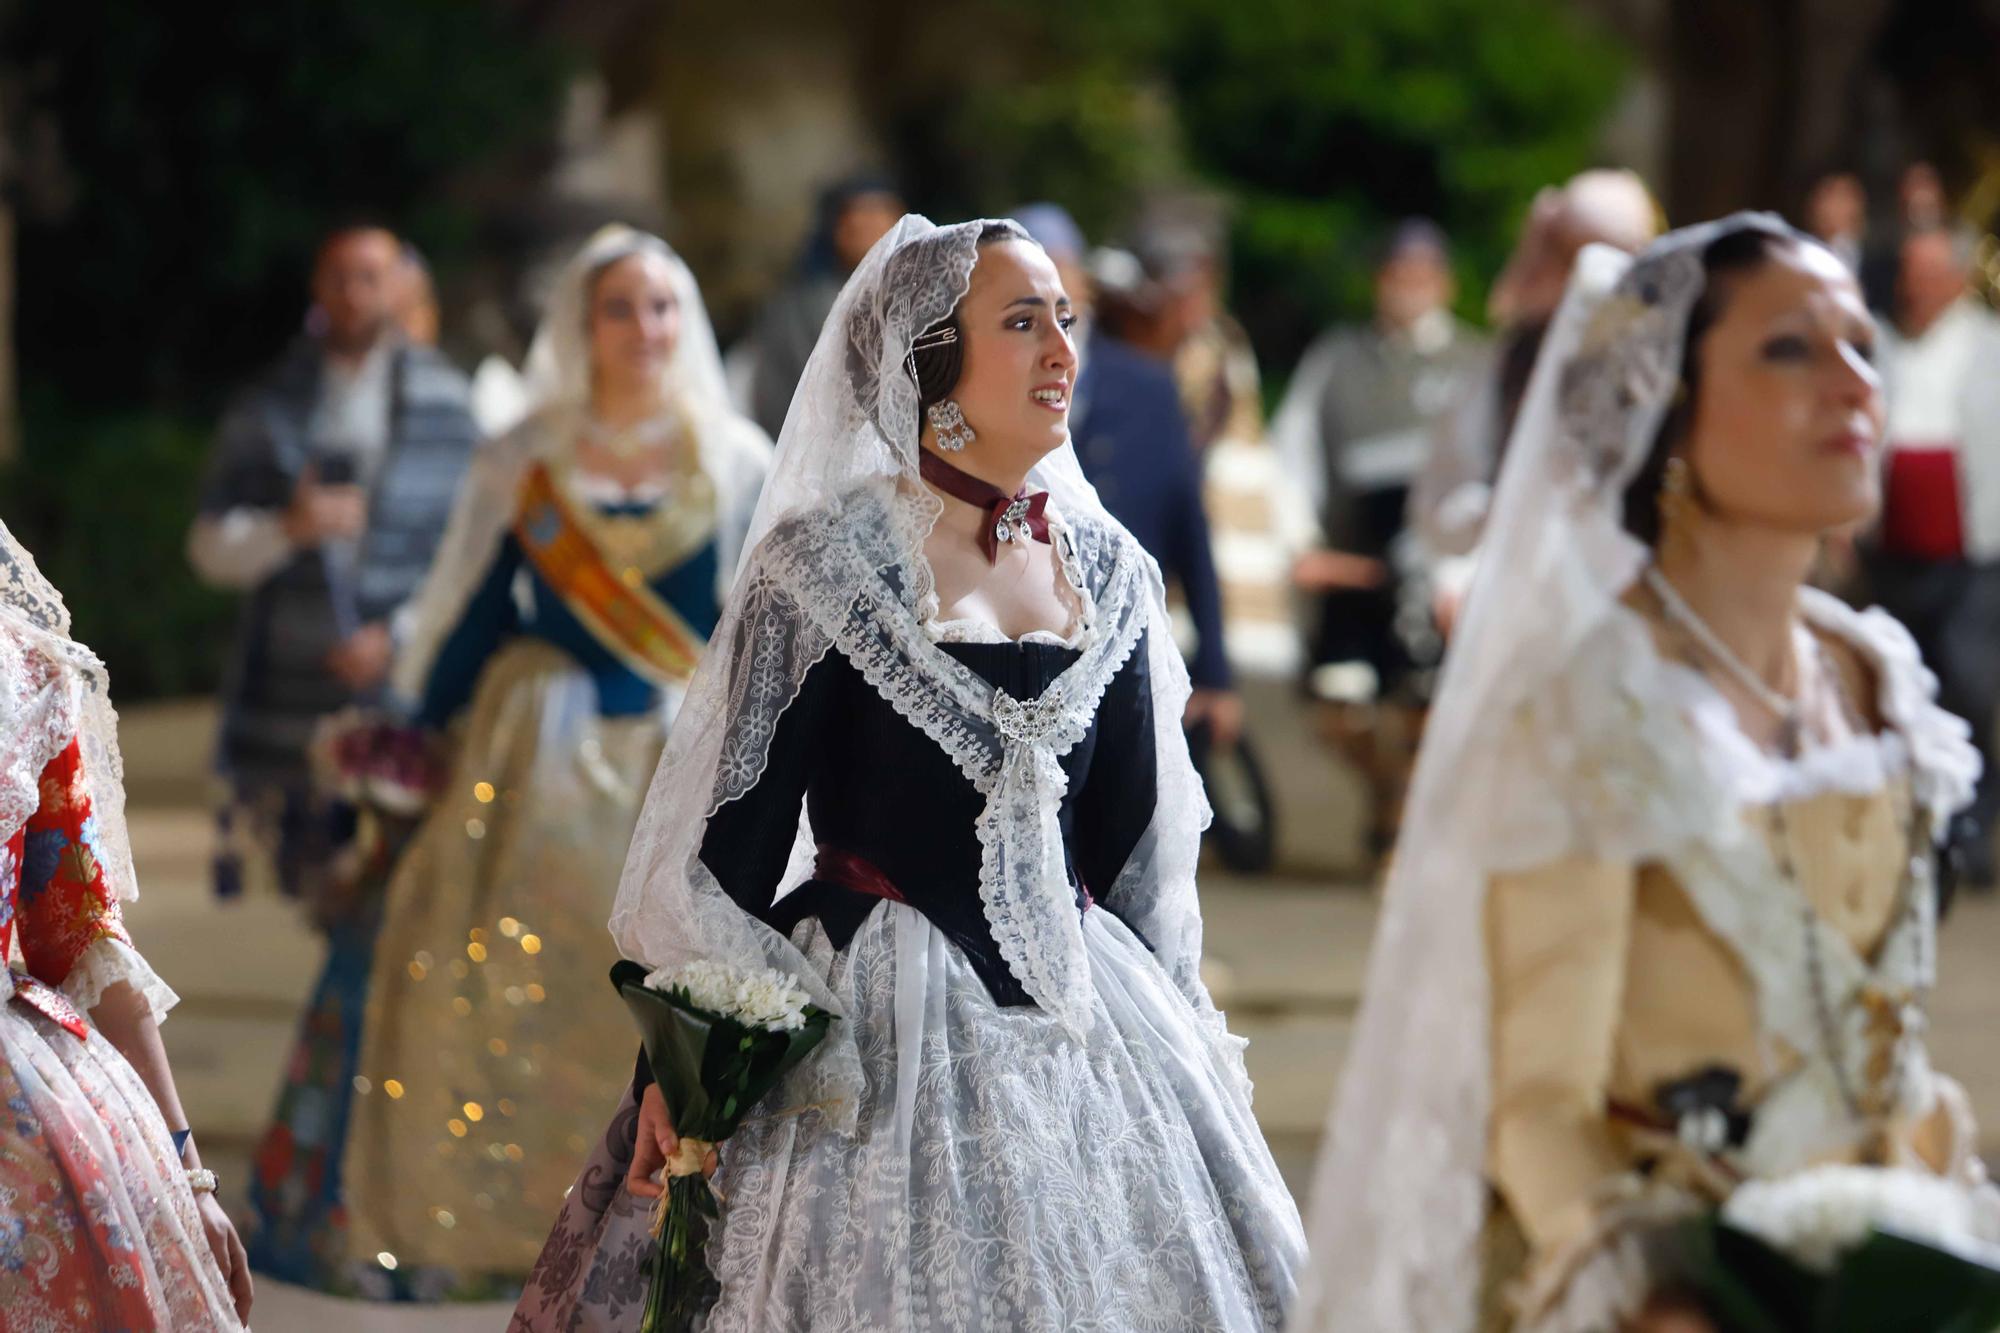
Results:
479 1091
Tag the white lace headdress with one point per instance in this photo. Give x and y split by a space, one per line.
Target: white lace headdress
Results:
836 563
1400 1196
557 370
55 690
734 452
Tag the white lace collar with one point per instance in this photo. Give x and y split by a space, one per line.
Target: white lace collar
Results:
604 491
1072 590
1917 737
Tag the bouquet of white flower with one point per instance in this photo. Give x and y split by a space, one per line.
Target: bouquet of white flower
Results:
718 1039
1852 1249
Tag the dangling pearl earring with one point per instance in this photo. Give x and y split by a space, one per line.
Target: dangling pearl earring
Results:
949 426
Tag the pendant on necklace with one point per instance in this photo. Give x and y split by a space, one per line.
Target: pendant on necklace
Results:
1791 732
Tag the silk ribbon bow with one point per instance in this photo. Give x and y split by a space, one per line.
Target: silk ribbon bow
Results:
1009 518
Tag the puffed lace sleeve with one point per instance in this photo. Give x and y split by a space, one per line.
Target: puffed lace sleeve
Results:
1944 765
1602 764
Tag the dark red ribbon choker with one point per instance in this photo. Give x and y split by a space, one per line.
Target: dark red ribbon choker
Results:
1009 518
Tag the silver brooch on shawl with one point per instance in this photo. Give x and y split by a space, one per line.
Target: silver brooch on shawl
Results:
1029 722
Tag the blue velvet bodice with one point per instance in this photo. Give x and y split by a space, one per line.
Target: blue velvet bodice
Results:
494 615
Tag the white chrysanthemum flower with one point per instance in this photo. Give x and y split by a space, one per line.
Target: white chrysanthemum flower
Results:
755 997
1817 1216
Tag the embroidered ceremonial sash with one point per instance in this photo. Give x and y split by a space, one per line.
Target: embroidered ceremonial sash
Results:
617 606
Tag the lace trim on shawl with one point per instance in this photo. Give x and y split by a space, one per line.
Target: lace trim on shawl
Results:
1944 763
54 690
1008 749
1072 590
1610 743
1613 774
104 964
1919 738
37 719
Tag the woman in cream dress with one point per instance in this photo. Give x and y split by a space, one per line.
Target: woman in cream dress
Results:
1664 919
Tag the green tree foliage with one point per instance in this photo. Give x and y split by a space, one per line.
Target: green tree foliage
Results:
1321 121
206 148
198 153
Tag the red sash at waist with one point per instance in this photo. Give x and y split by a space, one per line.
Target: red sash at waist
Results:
855 873
860 875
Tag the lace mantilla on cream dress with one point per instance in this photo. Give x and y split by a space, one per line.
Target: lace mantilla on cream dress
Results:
1622 962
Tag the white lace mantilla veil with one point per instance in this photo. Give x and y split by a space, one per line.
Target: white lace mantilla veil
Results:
836 562
1400 1195
53 688
734 452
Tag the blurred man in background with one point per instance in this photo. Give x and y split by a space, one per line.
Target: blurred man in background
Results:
325 496
853 214
1601 207
1180 248
1836 214
1353 433
1934 561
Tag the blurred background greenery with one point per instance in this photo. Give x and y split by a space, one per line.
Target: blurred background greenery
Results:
165 171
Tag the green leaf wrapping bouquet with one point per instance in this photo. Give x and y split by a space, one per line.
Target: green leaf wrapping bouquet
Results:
718 1039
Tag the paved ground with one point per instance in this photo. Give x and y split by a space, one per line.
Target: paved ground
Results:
1286 959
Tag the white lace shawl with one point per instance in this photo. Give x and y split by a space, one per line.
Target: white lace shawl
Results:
837 564
54 690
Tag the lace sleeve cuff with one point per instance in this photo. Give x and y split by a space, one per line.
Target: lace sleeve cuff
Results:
109 961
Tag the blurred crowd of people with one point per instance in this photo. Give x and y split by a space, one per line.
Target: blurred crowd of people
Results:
1332 545
1932 559
375 507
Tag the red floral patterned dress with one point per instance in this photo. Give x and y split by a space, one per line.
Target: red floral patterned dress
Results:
98 1229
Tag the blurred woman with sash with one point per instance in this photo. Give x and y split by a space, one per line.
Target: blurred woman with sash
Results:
579 579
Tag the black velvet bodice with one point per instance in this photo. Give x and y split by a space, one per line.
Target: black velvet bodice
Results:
878 788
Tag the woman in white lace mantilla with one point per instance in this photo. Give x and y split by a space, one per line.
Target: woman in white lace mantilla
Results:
107 1218
934 767
1662 920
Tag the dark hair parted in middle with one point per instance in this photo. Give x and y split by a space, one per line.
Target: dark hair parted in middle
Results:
1729 257
935 368
938 353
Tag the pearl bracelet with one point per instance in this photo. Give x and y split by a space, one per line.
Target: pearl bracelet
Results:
201 1181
